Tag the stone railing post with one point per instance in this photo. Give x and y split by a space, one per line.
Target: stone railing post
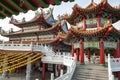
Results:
4 74
29 70
61 73
52 76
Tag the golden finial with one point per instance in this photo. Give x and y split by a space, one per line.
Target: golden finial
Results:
92 1
104 0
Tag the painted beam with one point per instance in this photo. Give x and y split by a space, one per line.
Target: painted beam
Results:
3 13
57 2
45 5
30 5
17 6
2 16
71 0
7 8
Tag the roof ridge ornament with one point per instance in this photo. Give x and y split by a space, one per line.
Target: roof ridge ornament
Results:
92 1
104 0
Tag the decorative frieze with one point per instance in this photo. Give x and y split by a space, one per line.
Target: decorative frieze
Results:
96 44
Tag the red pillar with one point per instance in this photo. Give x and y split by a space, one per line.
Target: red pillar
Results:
117 50
22 29
39 26
81 52
54 66
98 21
89 55
37 37
43 71
84 23
102 55
119 75
54 49
115 53
77 54
72 49
60 69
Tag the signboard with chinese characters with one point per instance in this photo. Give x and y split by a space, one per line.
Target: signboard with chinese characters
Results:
96 45
91 44
76 45
110 44
87 45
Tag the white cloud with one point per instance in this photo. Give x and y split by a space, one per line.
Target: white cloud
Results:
117 25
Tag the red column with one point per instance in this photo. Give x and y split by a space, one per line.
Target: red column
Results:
60 69
22 29
37 37
81 52
84 23
102 55
117 50
98 21
54 66
54 49
39 27
89 54
72 49
77 54
43 71
119 75
115 53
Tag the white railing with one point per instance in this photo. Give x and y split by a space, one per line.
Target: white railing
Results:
28 47
51 57
31 47
44 49
70 62
22 47
110 75
56 59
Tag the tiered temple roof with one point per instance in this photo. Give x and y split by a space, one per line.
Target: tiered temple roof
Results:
103 8
92 11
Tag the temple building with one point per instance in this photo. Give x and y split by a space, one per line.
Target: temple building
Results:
43 30
92 28
48 45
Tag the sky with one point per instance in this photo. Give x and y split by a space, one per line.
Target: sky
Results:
58 10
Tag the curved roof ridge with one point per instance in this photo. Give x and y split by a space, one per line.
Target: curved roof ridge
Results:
91 5
89 32
94 6
116 25
37 16
113 28
111 7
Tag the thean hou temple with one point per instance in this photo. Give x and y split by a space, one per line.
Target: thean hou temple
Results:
46 48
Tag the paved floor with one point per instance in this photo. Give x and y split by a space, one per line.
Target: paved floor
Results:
35 75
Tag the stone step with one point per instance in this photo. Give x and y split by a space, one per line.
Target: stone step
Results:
90 72
91 75
84 78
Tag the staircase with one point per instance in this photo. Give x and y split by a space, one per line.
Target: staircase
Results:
90 72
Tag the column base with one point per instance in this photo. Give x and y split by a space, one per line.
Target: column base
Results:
102 65
82 63
4 74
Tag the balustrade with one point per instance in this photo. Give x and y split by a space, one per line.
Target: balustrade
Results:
50 57
113 64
